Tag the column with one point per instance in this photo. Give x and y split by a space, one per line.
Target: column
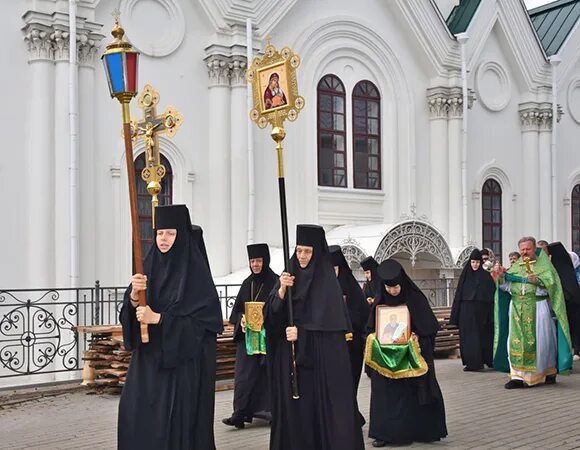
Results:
88 190
218 233
438 142
40 175
239 163
455 237
545 172
62 159
530 222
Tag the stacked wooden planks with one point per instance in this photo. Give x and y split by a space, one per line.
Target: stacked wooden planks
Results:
447 339
108 361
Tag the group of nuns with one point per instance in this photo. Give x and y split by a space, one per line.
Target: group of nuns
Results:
168 398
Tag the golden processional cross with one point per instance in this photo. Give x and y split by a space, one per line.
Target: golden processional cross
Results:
149 129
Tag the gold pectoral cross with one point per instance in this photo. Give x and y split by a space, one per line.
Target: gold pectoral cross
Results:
149 129
528 263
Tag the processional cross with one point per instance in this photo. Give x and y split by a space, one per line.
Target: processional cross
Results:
149 129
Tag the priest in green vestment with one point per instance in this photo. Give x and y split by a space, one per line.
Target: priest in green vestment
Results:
532 338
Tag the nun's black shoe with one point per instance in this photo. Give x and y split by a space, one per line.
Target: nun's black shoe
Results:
233 423
379 443
550 379
471 369
515 384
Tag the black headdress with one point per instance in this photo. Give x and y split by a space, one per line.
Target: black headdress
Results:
563 264
317 296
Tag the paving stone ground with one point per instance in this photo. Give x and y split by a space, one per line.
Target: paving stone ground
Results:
481 414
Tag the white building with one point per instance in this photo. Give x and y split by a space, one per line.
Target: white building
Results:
387 169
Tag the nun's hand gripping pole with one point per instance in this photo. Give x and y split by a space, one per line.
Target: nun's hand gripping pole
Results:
278 134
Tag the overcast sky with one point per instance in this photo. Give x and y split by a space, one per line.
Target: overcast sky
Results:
533 3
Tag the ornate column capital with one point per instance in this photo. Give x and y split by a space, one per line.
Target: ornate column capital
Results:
61 43
529 116
238 66
438 102
87 47
39 42
218 70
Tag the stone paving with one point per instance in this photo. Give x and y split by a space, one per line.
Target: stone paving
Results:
481 414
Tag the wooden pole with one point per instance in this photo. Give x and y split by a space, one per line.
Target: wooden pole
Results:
136 232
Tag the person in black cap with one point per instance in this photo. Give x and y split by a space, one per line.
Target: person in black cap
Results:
410 408
472 312
562 262
358 310
325 417
168 398
372 283
251 393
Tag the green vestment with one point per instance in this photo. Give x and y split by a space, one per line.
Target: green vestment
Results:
521 326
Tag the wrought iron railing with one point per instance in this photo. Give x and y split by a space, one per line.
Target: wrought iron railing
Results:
38 326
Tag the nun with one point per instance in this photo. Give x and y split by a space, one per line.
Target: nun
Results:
472 312
372 282
325 416
168 398
358 310
251 393
406 401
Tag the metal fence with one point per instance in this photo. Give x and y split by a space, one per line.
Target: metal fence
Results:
37 326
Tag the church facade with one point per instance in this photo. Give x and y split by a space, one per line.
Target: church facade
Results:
430 126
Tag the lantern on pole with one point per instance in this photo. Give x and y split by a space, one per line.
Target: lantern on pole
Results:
121 62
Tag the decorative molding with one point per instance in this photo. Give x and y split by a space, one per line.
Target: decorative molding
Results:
218 70
529 115
573 99
493 101
447 102
464 255
238 67
47 37
191 177
414 237
265 14
172 27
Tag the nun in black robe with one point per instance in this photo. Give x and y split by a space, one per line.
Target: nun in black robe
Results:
325 417
405 410
472 312
167 402
251 392
563 264
358 310
370 287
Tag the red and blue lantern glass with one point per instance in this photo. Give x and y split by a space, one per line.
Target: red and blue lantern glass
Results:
121 69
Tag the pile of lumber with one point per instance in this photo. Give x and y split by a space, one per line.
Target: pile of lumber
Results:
447 339
108 361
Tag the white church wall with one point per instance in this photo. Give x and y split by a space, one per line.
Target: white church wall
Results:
14 114
567 156
494 140
181 79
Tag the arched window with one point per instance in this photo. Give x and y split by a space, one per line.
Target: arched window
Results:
576 218
144 199
492 216
331 132
366 114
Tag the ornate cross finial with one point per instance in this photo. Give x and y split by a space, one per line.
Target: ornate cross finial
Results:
268 40
413 209
116 15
